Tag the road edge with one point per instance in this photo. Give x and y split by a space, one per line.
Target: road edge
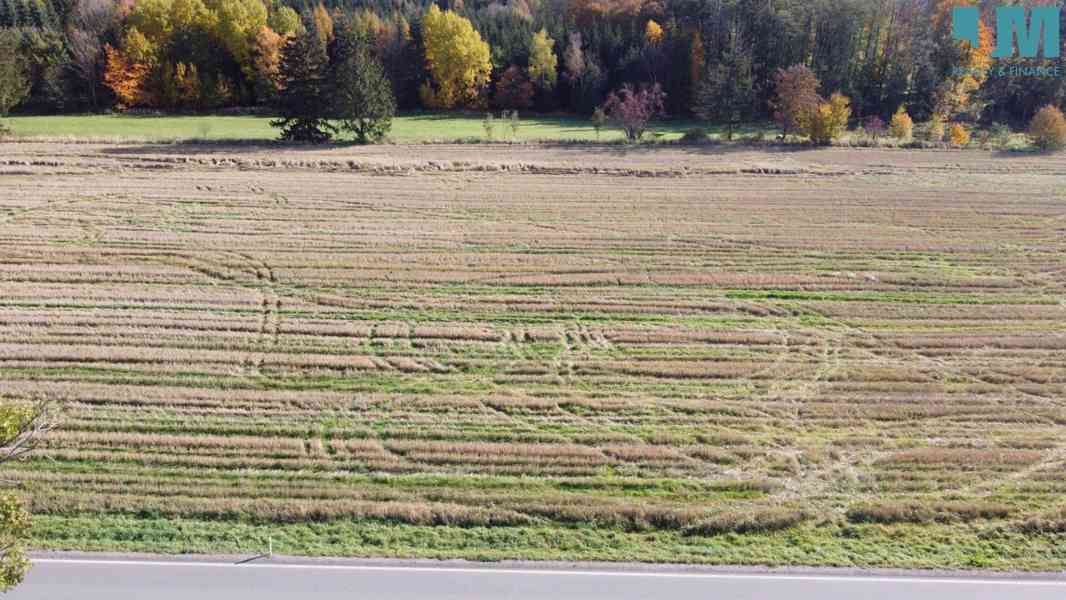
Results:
545 566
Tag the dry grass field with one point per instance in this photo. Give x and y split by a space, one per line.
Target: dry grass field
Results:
713 355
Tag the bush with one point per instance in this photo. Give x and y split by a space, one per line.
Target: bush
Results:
762 520
514 121
999 134
902 126
1048 129
696 135
958 136
632 110
830 120
935 129
874 127
599 120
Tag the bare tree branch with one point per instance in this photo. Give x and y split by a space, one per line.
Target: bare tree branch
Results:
38 421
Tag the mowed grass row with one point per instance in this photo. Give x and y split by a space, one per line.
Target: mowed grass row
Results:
460 364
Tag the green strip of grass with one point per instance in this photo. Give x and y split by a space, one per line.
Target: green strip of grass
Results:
906 546
411 128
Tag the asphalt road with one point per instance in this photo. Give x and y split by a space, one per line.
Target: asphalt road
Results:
88 578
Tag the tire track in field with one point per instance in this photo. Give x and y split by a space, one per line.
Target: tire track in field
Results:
1055 456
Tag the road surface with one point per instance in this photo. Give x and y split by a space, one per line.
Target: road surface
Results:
156 578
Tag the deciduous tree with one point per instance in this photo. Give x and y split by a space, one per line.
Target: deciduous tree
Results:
514 90
14 81
543 64
653 33
266 61
125 77
1048 129
795 98
901 126
829 120
457 58
284 21
21 427
323 23
632 110
90 21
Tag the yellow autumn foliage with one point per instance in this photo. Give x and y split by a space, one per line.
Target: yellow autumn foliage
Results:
457 58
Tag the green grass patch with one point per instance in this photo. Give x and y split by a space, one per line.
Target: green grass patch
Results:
410 128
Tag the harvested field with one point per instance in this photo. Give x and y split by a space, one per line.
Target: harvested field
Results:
711 355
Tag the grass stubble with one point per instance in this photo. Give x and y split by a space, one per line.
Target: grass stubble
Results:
668 357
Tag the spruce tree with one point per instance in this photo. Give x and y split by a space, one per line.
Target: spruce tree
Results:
727 92
304 99
363 96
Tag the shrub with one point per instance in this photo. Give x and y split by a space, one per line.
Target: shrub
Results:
830 120
632 110
1048 129
761 520
515 122
902 126
599 120
874 127
999 134
958 136
935 129
696 135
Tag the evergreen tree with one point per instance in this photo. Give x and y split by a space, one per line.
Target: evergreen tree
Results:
303 101
727 91
363 99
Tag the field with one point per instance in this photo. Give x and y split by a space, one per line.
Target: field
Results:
411 128
713 355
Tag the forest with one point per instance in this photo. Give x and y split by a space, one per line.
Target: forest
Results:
717 59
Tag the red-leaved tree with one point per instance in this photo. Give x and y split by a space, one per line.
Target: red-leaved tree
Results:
514 90
795 99
632 110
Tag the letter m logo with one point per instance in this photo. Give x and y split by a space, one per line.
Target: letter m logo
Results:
1010 20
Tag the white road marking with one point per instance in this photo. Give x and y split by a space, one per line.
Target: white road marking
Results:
492 571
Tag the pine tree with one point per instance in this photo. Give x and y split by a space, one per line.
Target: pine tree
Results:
362 93
303 101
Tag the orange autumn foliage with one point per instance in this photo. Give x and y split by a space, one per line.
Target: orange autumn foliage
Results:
124 77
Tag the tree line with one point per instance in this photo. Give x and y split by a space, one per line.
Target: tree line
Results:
717 59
